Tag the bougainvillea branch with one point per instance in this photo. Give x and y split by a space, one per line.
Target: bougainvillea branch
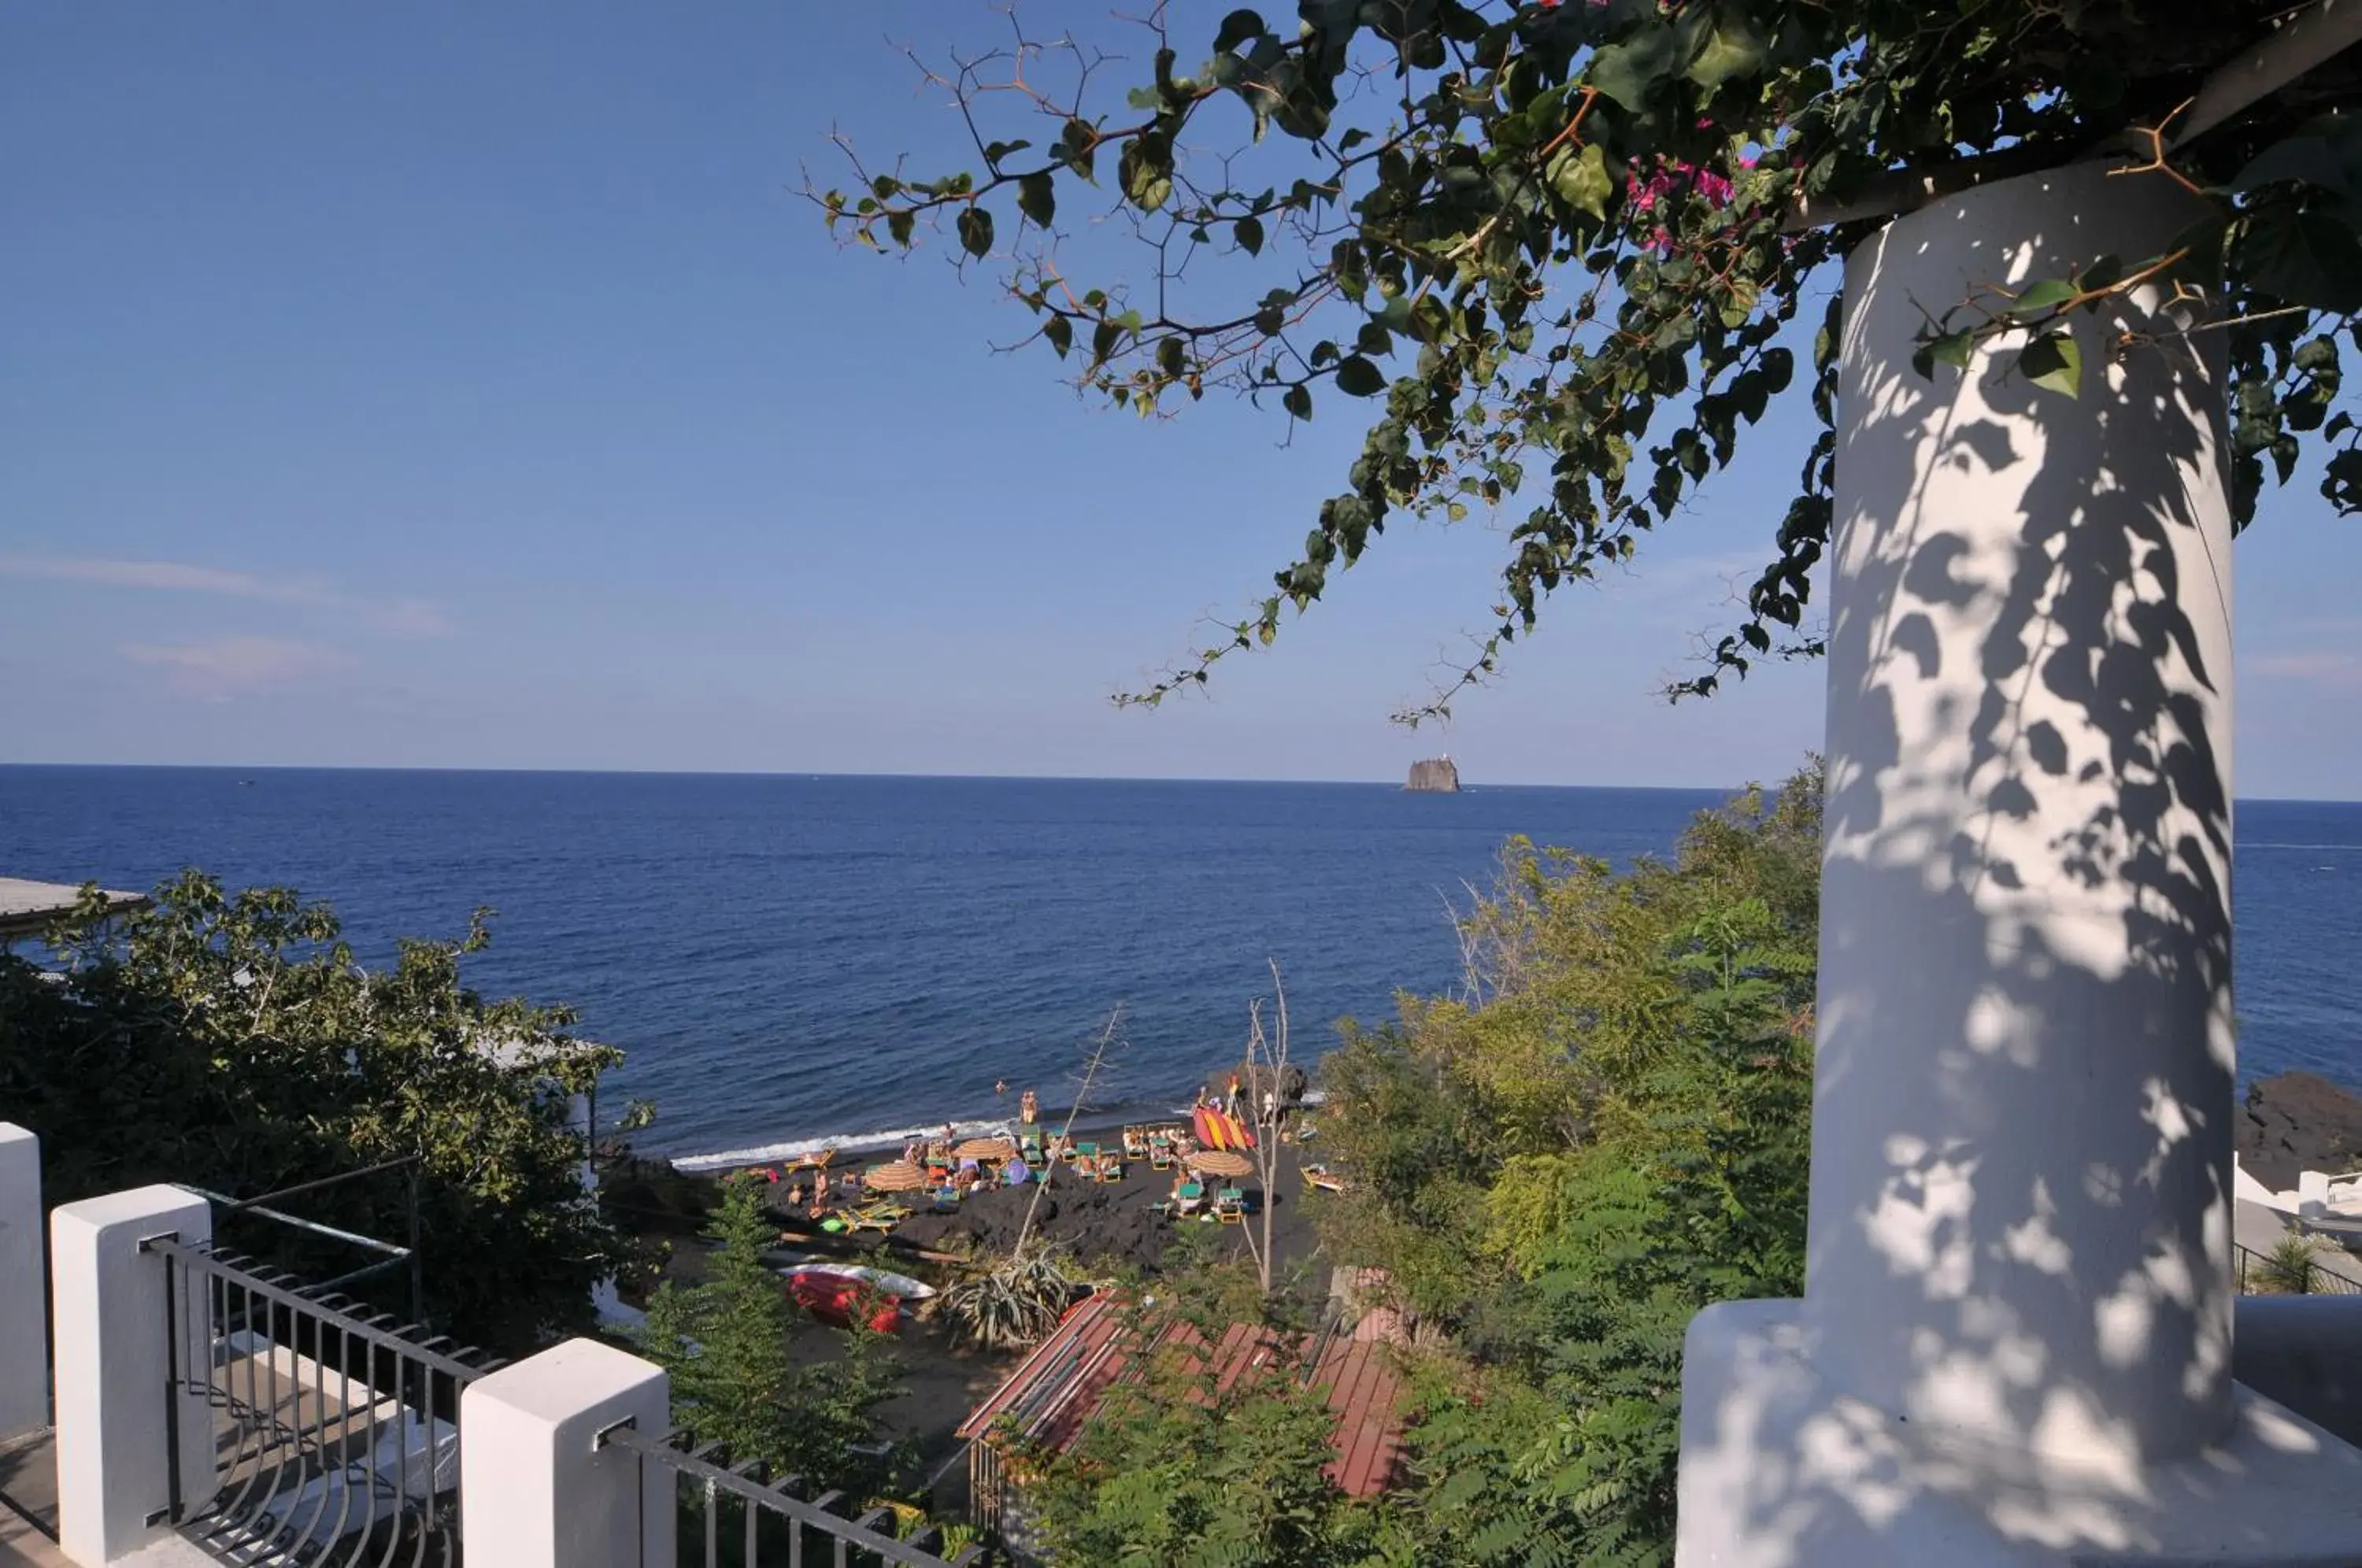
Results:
1561 247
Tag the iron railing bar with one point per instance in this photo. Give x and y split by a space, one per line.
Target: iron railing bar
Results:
364 1272
242 1422
344 1415
310 1527
334 1234
237 1204
717 1479
370 1328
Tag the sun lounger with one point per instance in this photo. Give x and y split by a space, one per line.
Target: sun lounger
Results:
1111 1167
1230 1205
1136 1143
1190 1198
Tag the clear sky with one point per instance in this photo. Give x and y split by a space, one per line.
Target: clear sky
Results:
469 386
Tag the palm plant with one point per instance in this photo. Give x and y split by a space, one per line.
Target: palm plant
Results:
1015 1302
2289 1269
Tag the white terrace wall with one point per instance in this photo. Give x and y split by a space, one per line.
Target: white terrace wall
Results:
23 1306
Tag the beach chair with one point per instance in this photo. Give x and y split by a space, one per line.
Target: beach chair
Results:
1230 1205
1111 1167
1190 1199
1136 1143
1086 1151
1321 1179
1159 1153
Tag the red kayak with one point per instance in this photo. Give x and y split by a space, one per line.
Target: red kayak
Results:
833 1298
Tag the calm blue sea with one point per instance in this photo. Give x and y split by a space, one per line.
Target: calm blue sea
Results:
790 959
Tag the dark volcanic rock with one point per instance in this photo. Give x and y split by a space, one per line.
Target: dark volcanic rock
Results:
1110 1222
2298 1122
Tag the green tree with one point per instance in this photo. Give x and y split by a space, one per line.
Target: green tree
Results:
724 1342
1554 251
1628 1110
232 1041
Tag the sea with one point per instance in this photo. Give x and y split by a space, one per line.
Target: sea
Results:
794 961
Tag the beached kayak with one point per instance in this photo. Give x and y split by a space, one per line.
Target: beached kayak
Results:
877 1279
833 1298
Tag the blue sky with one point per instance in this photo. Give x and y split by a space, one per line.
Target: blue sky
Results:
463 386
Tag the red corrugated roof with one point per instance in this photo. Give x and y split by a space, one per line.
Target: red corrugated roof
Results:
1055 1389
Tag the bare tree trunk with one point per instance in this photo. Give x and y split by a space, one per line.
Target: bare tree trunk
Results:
1267 1060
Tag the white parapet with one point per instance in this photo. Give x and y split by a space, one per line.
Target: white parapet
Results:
115 1415
23 1287
537 1491
2014 1344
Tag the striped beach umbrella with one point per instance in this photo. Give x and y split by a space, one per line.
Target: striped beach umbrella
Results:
1220 1161
986 1149
897 1176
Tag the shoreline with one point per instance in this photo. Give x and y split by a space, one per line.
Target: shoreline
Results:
1089 1120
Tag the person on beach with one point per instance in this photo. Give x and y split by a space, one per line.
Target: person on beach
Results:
999 1088
1029 1107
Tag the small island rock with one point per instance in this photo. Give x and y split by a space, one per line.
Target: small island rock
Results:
1436 776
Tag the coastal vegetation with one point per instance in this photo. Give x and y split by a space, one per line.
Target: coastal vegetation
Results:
234 1041
1605 1129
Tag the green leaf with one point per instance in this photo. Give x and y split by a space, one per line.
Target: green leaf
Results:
2048 294
975 230
1633 71
1579 176
2313 160
1731 49
1079 142
1248 231
1147 170
1298 401
1359 378
1953 348
2305 258
2053 361
1061 334
900 224
1237 28
1037 198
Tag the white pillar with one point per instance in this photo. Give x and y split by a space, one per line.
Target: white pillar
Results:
23 1287
113 1371
536 1492
2022 1095
2017 1308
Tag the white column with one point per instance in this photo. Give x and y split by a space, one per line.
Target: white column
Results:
2017 1310
536 1492
23 1287
2023 1096
112 1445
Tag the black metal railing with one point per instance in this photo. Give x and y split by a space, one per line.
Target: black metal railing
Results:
336 1430
738 1519
2258 1268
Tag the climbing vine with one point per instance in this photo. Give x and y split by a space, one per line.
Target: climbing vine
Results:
1558 249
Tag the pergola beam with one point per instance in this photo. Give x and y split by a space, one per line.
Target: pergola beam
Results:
2303 41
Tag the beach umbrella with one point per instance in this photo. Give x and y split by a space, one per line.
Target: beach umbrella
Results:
986 1149
1221 1162
899 1175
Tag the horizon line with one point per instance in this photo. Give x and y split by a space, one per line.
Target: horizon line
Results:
821 773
